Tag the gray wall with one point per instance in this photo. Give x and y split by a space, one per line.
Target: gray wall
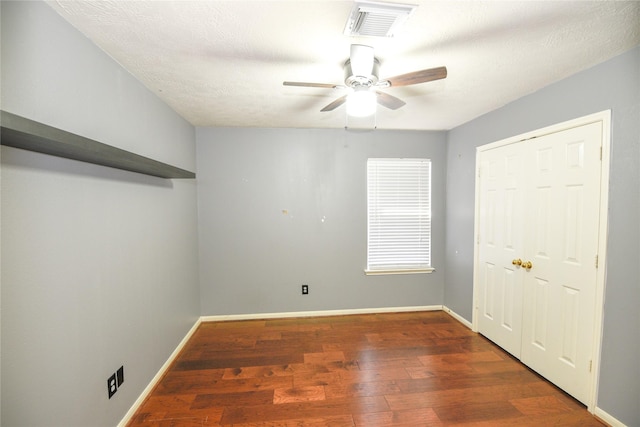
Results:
254 258
613 85
99 266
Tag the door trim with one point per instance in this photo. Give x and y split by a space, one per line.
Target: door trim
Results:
605 118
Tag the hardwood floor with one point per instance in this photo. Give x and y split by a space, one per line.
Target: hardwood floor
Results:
400 369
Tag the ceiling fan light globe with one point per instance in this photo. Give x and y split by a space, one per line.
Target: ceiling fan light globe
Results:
361 103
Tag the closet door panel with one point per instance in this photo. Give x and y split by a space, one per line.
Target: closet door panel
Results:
562 206
501 241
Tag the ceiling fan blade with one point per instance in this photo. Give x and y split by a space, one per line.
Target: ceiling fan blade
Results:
389 101
305 84
416 77
361 58
335 104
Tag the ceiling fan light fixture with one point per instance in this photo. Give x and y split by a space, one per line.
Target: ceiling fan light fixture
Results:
361 102
377 19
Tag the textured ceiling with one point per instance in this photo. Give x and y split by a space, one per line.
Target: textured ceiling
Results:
222 63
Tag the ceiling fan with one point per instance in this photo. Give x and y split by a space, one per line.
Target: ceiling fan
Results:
361 77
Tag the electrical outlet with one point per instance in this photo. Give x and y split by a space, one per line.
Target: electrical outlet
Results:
115 380
112 385
120 375
305 289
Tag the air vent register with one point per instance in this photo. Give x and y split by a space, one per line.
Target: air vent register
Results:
375 19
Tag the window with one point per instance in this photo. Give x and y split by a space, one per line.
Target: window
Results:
399 216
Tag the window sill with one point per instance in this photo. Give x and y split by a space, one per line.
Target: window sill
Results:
399 271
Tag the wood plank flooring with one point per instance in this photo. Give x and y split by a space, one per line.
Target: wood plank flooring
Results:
396 369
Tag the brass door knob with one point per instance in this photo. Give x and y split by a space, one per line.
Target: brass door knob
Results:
516 262
527 265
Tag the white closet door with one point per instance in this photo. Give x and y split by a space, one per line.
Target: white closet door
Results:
539 203
500 240
561 234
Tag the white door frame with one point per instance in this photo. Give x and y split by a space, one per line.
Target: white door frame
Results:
605 118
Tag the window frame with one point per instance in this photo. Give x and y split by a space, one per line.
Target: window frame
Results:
421 208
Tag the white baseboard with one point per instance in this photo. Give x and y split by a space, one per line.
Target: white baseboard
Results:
145 393
456 316
609 419
260 316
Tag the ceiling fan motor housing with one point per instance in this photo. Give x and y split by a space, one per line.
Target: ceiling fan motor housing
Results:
353 81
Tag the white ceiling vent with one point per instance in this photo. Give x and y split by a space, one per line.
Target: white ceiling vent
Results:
376 19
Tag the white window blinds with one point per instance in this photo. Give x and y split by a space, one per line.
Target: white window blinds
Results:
399 215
